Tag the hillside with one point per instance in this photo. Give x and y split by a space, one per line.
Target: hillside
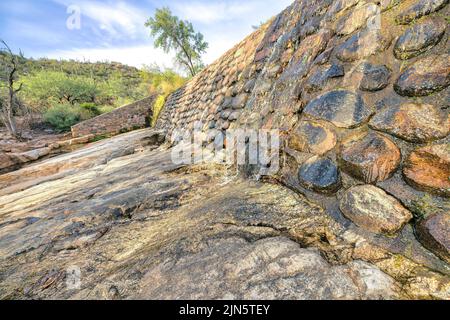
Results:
65 93
101 71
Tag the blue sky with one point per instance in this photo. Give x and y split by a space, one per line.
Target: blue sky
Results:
114 30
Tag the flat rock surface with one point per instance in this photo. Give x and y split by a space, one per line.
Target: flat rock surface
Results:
95 154
274 268
117 219
136 223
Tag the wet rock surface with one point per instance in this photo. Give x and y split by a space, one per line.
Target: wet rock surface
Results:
428 169
369 157
413 122
419 38
320 174
433 233
425 76
343 108
313 136
113 234
373 209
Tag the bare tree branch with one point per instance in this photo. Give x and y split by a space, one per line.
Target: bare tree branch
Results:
11 104
19 89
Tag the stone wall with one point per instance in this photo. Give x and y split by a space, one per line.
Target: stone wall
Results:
133 116
360 91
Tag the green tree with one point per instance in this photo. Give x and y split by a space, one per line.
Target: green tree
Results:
45 89
63 116
161 82
171 33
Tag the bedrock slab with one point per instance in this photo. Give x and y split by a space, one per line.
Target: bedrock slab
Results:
139 226
266 269
137 223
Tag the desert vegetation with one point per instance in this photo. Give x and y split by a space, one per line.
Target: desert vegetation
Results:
64 93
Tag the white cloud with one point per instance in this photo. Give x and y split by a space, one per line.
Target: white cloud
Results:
211 12
117 18
34 32
133 56
112 24
219 11
225 23
218 45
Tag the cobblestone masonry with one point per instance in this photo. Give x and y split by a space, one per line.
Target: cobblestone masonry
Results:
359 90
343 63
126 118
